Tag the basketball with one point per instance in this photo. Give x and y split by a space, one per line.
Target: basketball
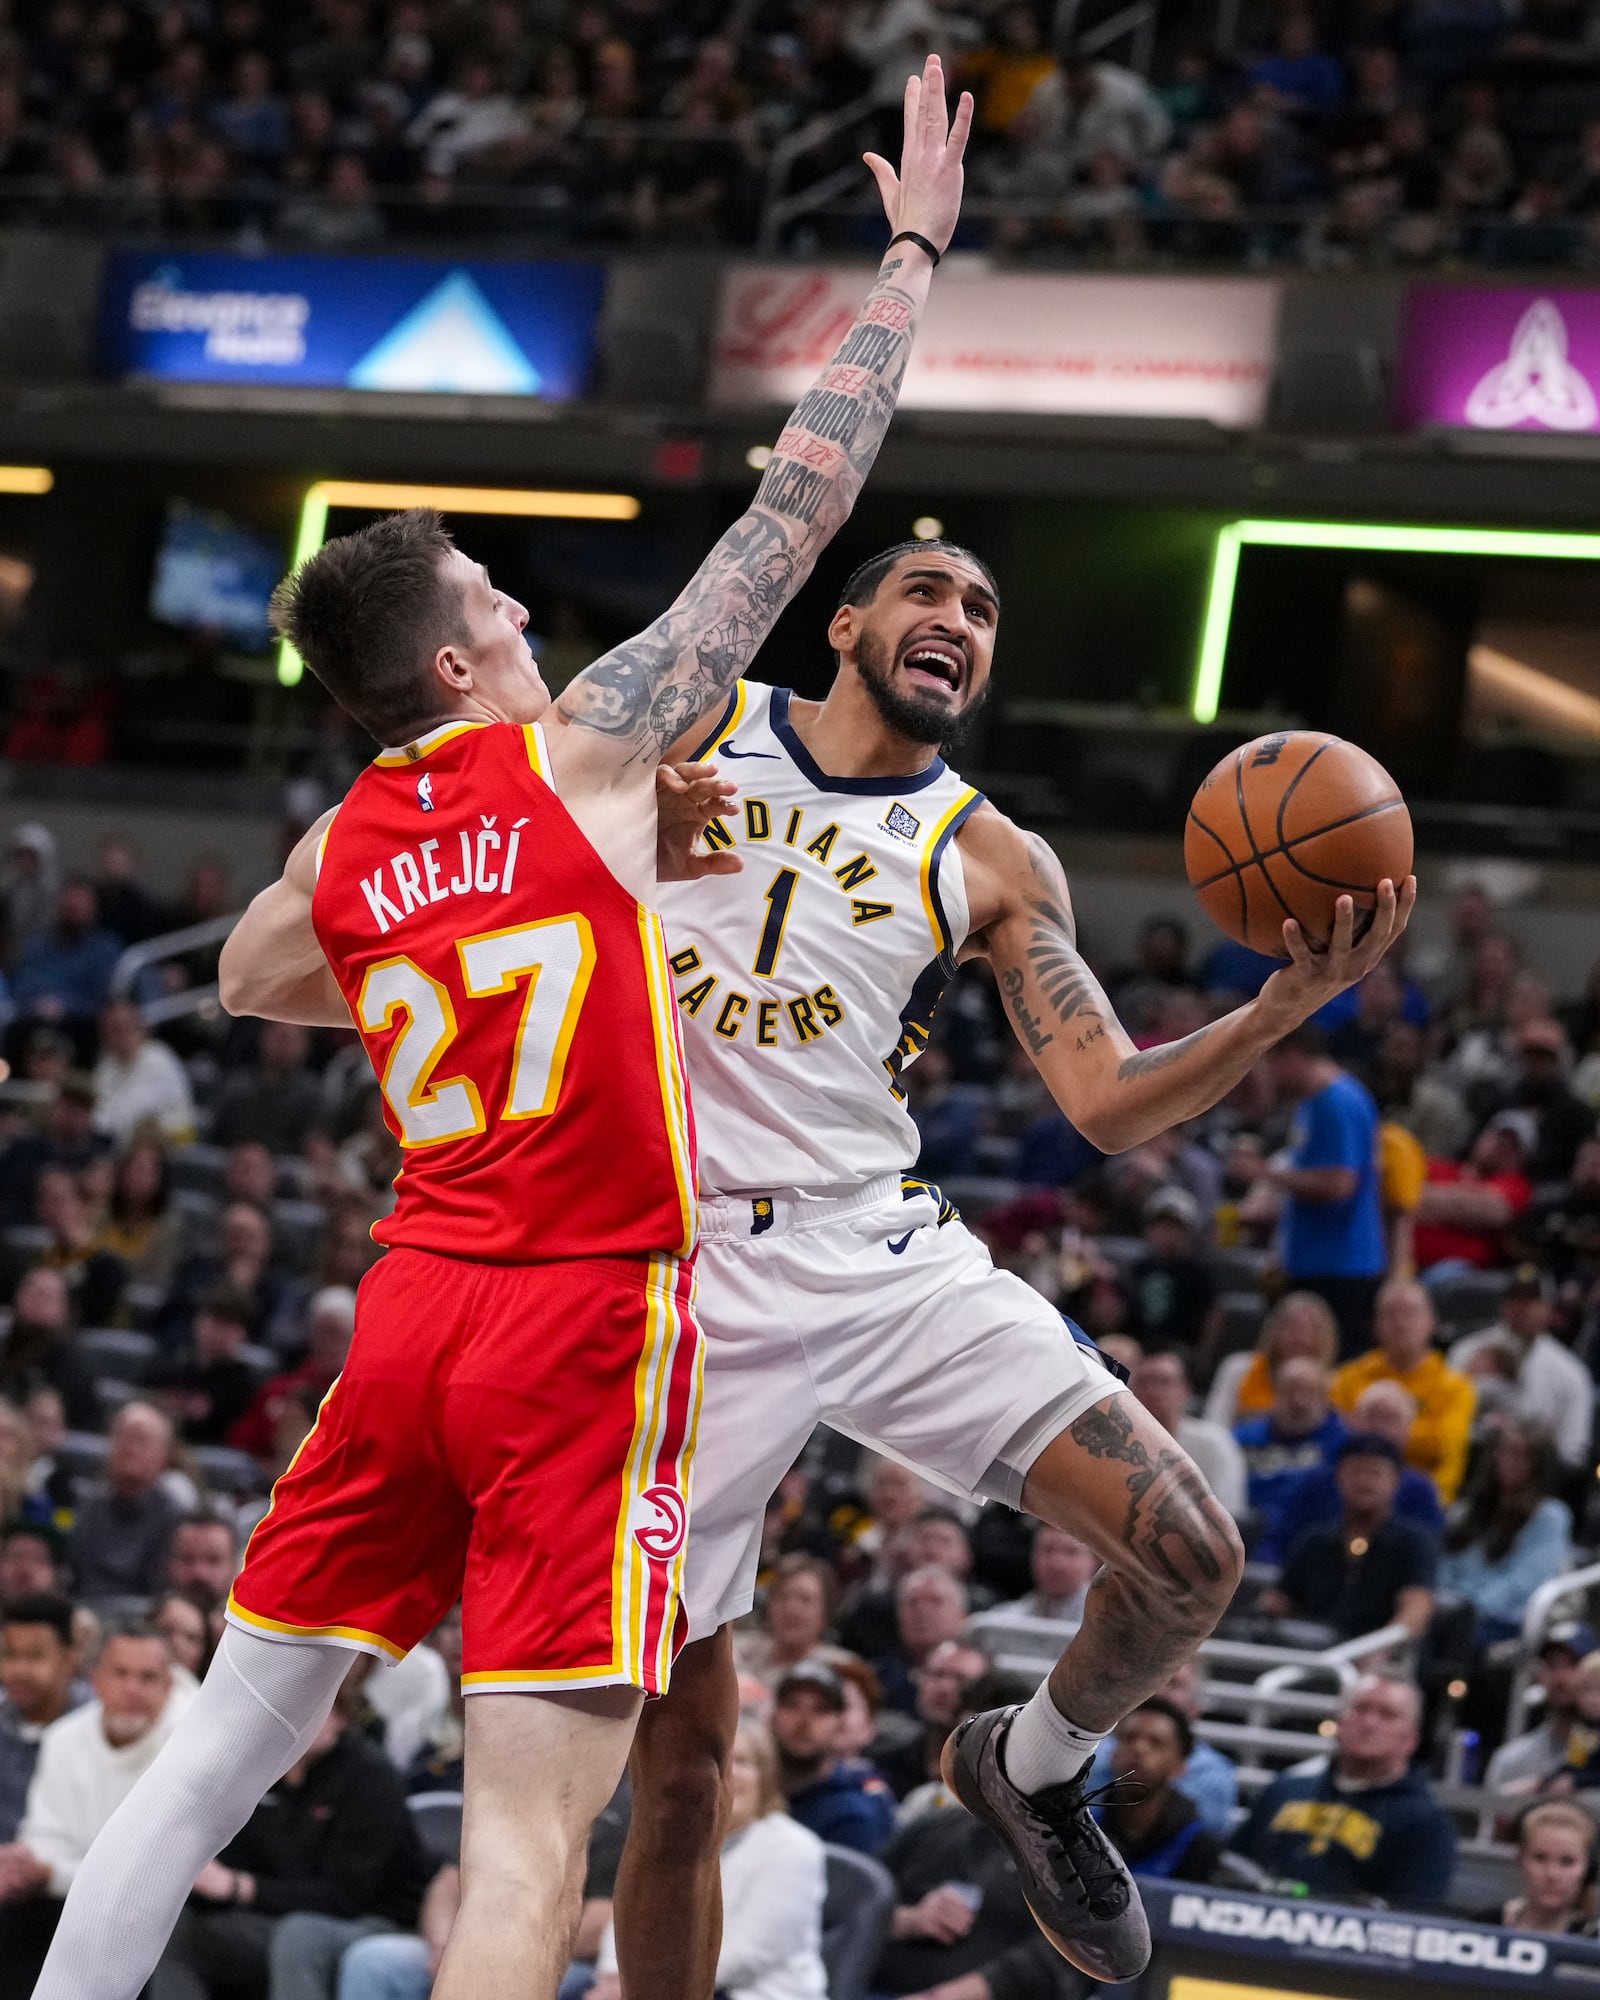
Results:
1285 826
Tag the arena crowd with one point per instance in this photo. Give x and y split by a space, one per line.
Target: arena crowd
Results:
1364 1292
1373 130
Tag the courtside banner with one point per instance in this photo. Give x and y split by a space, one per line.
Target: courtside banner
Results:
1124 347
381 323
1493 359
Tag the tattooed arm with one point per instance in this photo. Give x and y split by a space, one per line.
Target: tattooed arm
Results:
655 690
1116 1095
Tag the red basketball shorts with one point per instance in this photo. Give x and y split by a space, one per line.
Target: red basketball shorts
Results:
516 1435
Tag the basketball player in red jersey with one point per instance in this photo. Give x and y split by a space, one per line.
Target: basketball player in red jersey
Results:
515 1423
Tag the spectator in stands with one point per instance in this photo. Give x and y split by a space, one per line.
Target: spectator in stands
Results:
1171 1287
1299 80
774 1883
1562 1122
1160 1380
845 1802
331 1322
1582 1766
64 971
796 1618
1062 1568
1367 1570
242 1260
1527 1760
1160 1833
1560 1231
68 1140
942 1682
277 1102
1209 1778
182 1622
207 1386
30 1563
1366 1825
123 1533
959 1914
126 906
89 1761
38 1685
1468 1206
94 1278
330 1855
1301 1433
37 1350
141 1228
1556 1844
202 1563
1405 1327
1552 1385
138 1081
930 1607
30 881
1507 1536
1087 108
1299 1324
1333 1235
1387 1411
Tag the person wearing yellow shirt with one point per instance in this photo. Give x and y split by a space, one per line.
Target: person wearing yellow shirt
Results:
1404 1323
1004 76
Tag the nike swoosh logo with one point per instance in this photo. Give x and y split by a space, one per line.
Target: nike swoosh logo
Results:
727 750
899 1249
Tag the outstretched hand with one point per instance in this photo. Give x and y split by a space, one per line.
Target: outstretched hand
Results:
1313 977
926 193
687 795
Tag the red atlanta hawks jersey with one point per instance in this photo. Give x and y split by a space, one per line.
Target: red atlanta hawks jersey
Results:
516 1004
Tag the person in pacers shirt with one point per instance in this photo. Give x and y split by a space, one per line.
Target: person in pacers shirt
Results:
515 1422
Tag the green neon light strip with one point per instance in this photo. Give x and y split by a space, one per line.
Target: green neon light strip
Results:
1347 535
309 538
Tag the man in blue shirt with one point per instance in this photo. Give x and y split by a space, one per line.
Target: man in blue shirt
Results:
845 1802
1366 1825
1312 1499
1333 1234
1299 1434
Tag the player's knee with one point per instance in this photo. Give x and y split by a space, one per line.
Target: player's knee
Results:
1185 1553
678 1799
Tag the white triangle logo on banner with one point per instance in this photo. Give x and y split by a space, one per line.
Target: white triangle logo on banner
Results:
453 342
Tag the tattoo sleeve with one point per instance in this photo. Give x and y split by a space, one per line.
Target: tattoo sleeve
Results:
648 691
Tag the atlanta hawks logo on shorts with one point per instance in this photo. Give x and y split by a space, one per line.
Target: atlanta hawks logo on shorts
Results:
660 1522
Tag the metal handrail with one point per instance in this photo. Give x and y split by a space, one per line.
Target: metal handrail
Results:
776 208
1534 1619
172 944
1137 22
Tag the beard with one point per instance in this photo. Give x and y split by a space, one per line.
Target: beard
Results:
920 718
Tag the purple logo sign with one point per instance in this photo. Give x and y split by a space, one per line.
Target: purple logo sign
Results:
1500 360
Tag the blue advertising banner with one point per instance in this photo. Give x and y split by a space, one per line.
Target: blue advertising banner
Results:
382 323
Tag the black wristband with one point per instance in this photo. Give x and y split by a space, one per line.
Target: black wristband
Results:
922 243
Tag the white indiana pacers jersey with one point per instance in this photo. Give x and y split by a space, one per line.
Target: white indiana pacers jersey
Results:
808 981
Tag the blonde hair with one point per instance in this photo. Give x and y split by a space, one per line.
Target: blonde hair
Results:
757 1740
1589 1666
1559 1812
1301 1305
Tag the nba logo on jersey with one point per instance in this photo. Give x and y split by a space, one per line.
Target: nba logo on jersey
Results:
898 821
425 792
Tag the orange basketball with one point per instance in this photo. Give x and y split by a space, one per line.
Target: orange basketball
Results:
1286 825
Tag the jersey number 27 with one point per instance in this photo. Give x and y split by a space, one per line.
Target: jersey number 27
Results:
556 957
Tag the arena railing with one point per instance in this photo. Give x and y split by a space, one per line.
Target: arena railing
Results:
1541 1605
139 958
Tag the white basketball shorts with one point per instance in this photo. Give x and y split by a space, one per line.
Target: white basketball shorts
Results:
867 1313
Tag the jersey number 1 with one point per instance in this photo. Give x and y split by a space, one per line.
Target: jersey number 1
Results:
555 957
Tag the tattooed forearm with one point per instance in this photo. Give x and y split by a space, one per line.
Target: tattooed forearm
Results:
654 688
1147 1060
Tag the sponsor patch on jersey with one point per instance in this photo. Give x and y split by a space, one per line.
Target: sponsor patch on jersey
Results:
904 825
425 792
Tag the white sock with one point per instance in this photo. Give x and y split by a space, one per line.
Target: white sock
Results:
1043 1748
261 1706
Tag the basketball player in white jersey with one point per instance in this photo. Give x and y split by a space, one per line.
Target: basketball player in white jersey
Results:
834 1288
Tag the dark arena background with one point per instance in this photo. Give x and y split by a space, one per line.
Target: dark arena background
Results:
1264 370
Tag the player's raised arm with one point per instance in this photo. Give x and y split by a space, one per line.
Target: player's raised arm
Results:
272 965
1115 1094
658 687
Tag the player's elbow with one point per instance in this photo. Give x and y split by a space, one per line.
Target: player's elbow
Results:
239 987
1109 1130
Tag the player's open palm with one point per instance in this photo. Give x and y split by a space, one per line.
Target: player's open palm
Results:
1312 977
687 796
926 193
